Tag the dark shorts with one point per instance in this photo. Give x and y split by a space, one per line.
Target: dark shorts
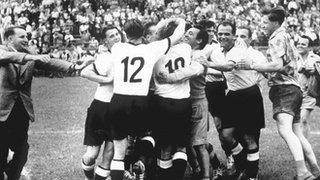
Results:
130 116
172 121
97 126
245 110
286 99
215 92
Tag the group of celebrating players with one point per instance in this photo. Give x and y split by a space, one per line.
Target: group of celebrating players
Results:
159 85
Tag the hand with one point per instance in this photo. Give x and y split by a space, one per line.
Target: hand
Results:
84 62
161 78
243 65
199 58
230 65
199 68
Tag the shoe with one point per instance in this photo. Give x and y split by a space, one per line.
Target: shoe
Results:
231 168
305 176
239 175
219 172
128 176
138 170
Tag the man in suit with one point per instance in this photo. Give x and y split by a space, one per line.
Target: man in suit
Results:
16 109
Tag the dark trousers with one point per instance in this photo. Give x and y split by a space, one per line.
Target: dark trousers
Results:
14 136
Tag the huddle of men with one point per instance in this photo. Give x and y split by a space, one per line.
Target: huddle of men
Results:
159 85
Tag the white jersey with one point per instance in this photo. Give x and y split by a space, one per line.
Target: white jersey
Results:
240 79
133 65
103 66
179 56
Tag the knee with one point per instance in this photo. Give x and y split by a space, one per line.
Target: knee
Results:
227 137
284 130
90 156
252 145
165 155
250 142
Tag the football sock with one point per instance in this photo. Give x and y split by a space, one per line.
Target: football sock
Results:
164 169
239 156
88 169
117 169
301 167
252 163
179 162
315 170
145 148
101 173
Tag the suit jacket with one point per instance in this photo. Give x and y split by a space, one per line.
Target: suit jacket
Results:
16 78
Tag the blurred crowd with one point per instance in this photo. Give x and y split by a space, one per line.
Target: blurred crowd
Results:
70 29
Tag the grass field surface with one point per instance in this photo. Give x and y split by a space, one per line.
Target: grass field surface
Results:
56 136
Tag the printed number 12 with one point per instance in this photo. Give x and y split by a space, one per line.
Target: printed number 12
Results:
133 78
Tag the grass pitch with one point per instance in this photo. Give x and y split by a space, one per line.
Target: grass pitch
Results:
56 136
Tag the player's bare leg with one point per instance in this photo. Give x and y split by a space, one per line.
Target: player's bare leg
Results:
236 149
102 172
88 161
305 117
117 164
307 150
203 159
284 124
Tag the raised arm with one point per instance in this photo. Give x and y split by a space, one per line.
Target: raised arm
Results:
178 32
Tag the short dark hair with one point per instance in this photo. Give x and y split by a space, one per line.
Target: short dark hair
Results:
207 24
168 30
310 43
11 31
107 28
133 28
188 25
276 14
228 23
202 35
248 29
147 27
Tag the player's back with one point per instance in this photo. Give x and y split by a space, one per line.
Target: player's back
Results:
133 66
179 56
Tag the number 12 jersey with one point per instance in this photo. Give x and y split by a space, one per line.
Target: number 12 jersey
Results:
133 65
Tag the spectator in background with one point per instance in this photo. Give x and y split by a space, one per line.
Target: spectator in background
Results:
306 68
68 38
